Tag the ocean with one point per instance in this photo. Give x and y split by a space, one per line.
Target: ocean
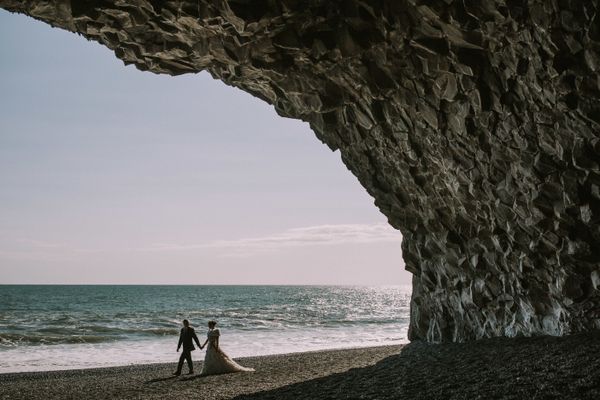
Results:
53 327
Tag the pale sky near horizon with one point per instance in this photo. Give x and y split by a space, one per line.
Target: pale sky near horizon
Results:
112 175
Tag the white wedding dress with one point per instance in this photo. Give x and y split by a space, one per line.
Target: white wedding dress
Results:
216 361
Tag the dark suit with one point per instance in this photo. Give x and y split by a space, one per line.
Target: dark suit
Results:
185 338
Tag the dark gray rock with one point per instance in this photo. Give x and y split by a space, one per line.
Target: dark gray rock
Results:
473 124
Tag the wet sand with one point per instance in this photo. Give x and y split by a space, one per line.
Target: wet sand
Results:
524 368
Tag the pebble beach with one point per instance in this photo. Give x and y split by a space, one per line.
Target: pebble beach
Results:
521 368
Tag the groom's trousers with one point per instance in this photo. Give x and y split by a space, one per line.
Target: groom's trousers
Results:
185 355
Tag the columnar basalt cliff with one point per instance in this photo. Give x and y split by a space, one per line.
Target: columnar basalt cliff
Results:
475 125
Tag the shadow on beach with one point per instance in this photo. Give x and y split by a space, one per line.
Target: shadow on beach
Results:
180 378
522 368
166 378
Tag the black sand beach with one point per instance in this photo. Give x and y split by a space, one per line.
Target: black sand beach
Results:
525 368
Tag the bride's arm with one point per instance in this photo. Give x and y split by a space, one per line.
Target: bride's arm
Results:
217 343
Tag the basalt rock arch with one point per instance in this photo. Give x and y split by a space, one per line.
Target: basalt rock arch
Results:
475 125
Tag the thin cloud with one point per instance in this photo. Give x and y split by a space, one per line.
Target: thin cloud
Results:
15 247
40 244
321 235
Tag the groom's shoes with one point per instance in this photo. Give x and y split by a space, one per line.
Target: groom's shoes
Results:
176 373
191 373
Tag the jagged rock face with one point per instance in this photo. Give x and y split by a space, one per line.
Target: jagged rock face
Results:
474 124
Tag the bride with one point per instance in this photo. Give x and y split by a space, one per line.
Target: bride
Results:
216 361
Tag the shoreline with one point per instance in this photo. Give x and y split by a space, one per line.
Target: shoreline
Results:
500 368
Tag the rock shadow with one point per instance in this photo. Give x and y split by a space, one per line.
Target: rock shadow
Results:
520 368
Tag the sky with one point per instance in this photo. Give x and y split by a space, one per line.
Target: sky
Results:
115 176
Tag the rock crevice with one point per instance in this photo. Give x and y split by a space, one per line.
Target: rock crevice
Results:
475 125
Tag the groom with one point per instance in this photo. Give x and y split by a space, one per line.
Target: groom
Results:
185 338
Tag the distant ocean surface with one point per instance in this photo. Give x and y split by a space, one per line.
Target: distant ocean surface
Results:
64 327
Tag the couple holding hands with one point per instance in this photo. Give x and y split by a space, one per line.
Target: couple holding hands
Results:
215 361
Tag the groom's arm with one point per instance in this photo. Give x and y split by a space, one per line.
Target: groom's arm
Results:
196 340
180 340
